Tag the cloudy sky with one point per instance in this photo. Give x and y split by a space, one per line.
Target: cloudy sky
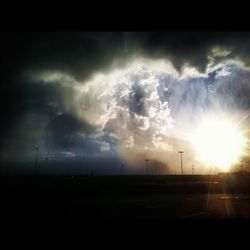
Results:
102 100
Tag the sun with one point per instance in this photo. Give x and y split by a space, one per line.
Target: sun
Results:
219 143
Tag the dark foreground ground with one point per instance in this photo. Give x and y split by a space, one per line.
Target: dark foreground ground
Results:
90 199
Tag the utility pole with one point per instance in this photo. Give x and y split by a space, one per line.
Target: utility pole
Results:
46 162
35 170
146 167
122 167
193 169
242 165
181 152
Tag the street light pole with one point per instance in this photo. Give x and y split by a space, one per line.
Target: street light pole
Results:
35 169
122 167
46 162
146 167
181 152
242 165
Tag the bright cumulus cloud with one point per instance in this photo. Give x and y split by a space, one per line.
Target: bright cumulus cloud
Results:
148 108
127 102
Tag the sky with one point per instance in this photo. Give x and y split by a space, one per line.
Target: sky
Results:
107 101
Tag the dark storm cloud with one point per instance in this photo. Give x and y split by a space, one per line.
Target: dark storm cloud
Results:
75 53
65 131
83 53
21 97
189 47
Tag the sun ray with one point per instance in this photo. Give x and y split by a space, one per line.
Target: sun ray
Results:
219 142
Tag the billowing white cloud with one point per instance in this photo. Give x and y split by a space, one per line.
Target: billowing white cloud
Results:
129 143
147 107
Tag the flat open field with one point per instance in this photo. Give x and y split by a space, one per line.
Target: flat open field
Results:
90 199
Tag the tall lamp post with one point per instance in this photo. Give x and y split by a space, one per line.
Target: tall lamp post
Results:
146 167
242 162
181 152
35 169
122 168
